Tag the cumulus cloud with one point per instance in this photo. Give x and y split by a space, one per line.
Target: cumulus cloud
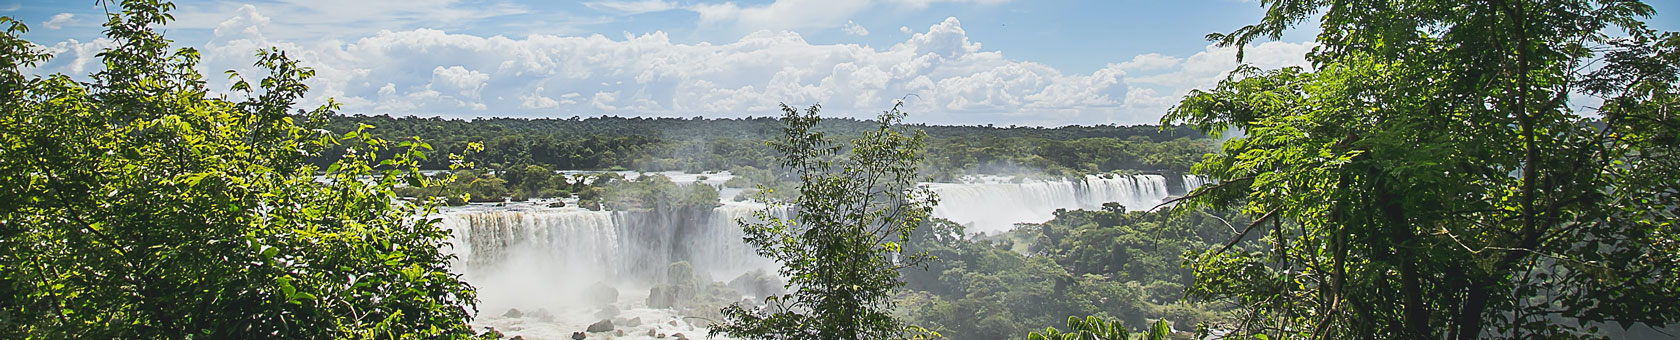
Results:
314 19
632 7
803 14
1158 81
854 29
947 76
59 20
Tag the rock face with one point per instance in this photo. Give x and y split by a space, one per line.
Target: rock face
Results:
758 284
603 326
680 286
602 294
669 296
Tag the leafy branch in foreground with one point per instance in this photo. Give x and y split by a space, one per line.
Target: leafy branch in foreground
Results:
1429 178
1092 328
140 207
842 246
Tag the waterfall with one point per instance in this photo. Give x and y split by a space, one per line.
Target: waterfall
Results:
532 257
991 204
627 247
1191 182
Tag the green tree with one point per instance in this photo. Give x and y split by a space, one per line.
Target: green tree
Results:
141 206
1092 328
1430 178
842 246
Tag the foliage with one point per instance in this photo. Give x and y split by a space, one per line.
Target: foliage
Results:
841 249
138 206
1110 263
670 144
1430 179
1092 328
656 192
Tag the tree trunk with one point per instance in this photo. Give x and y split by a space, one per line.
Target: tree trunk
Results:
1469 323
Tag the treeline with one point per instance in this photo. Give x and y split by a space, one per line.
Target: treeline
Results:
1111 263
703 144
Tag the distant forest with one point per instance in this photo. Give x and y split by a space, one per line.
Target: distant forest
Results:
704 144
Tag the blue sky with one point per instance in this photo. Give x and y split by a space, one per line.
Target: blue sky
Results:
1046 62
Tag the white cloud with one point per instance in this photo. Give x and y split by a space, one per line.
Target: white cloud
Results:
59 20
803 14
316 19
74 57
536 100
904 29
780 15
854 29
1159 81
633 7
1150 62
462 81
951 77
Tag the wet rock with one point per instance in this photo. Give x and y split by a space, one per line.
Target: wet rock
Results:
578 336
758 283
679 336
557 204
517 337
602 294
618 332
603 326
654 333
637 321
513 313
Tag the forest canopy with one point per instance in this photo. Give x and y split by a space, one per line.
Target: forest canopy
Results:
704 144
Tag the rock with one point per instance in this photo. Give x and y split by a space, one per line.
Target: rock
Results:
633 322
673 323
680 273
679 336
758 283
602 294
607 312
513 313
518 337
603 326
578 336
557 204
652 333
618 332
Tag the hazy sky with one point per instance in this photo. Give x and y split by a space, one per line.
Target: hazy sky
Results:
1044 62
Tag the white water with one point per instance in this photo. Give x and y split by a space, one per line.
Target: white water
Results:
993 204
1194 181
531 257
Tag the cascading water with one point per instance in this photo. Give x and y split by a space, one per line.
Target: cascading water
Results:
996 204
1194 181
531 257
